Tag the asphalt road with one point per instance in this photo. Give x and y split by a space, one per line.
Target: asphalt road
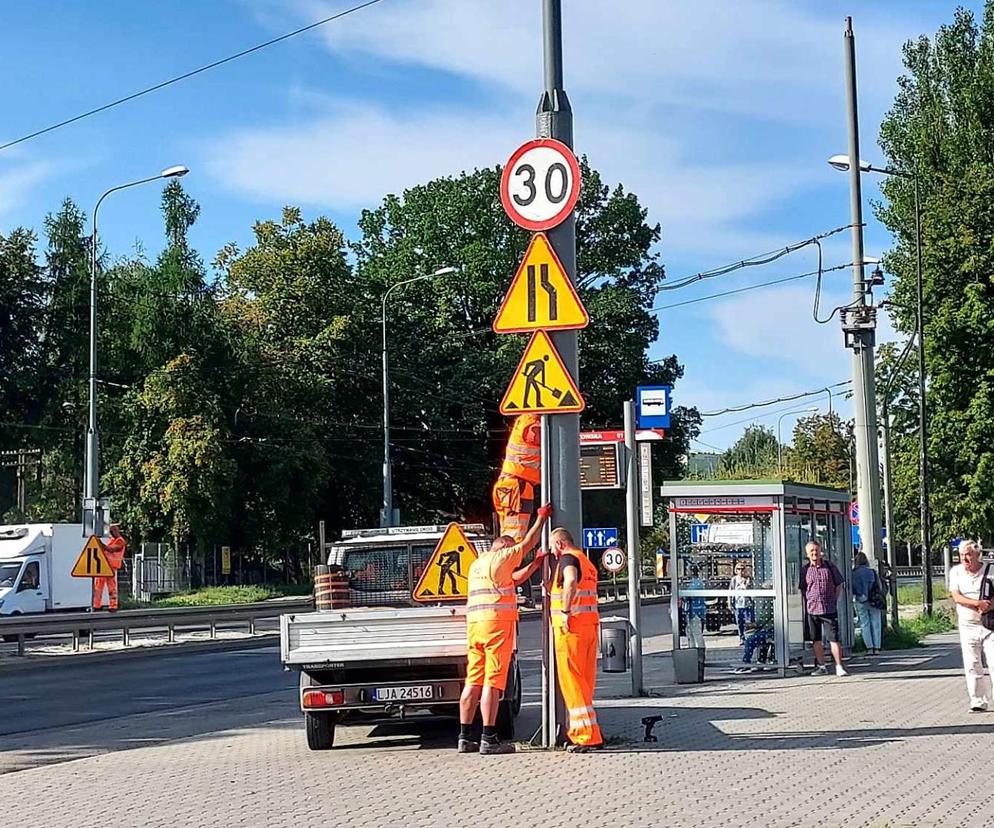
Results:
73 709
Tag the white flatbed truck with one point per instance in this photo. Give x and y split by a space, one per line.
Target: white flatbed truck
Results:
381 656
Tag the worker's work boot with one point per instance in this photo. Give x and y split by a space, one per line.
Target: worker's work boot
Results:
468 746
491 747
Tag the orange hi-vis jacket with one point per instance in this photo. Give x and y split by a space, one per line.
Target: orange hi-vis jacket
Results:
492 596
523 454
584 609
114 552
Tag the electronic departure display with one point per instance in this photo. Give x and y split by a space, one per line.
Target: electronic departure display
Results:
600 466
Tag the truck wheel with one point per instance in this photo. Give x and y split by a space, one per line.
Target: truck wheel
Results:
320 729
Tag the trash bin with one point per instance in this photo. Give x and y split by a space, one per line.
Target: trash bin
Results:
614 644
688 665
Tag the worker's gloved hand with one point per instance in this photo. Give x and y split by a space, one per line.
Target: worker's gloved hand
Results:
545 512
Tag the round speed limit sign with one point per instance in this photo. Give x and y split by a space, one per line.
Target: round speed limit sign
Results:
613 559
540 184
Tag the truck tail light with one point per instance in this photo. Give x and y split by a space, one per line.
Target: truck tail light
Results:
316 699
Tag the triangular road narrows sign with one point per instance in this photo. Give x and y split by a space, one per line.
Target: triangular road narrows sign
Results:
541 296
541 384
92 562
446 574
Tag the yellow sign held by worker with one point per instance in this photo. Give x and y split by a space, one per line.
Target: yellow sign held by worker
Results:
541 384
92 562
446 574
541 296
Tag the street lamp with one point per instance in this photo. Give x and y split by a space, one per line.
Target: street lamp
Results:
841 162
91 483
386 515
779 444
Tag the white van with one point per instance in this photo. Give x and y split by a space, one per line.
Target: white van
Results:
36 562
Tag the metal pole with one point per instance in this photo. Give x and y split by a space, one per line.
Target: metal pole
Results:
386 516
864 383
549 708
92 445
634 549
926 516
554 119
889 515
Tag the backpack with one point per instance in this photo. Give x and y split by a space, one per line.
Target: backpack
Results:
987 594
876 597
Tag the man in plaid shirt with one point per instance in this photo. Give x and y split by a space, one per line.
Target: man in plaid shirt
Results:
820 583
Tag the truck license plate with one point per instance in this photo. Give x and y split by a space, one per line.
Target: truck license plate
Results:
420 693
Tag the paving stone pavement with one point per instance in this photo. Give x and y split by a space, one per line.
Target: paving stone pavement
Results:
893 745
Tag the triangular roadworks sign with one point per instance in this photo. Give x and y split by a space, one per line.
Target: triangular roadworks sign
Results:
446 575
541 384
92 562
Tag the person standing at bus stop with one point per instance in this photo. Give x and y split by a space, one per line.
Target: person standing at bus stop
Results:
575 624
491 629
114 553
819 584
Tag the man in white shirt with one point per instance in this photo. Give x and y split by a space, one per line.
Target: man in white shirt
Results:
965 580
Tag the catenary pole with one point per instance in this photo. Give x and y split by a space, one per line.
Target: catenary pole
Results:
926 514
862 336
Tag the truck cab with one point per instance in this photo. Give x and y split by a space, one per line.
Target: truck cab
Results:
36 562
380 655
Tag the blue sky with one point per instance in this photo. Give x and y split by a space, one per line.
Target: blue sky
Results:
719 115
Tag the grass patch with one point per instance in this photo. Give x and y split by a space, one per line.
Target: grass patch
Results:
911 594
214 596
912 632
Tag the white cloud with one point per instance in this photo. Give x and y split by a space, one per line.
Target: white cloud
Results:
18 180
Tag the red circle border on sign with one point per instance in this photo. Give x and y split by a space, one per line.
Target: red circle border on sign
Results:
574 194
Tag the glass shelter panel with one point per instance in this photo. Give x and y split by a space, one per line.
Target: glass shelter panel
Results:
725 588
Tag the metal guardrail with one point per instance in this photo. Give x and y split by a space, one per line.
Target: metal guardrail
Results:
85 624
917 571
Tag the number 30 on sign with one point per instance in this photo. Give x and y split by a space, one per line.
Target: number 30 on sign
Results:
540 184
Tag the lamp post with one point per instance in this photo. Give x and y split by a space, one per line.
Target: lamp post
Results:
91 482
841 162
779 444
386 514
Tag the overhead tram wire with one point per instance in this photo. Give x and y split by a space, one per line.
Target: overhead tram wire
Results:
186 75
754 261
764 403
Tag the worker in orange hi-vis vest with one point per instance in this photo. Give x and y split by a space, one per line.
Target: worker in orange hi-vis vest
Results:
514 491
114 552
575 623
491 628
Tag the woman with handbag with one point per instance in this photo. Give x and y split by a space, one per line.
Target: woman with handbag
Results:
868 595
972 590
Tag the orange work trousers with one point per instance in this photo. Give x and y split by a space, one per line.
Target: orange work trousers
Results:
110 583
576 669
514 502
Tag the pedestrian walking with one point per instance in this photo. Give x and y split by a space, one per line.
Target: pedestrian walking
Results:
742 605
575 624
491 629
820 583
971 595
868 595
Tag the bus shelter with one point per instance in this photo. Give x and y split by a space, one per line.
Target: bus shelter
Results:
756 530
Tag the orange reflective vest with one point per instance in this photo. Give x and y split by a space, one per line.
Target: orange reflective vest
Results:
489 601
114 552
522 456
584 608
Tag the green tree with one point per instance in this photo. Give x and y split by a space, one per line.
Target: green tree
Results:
445 402
820 452
753 456
941 128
